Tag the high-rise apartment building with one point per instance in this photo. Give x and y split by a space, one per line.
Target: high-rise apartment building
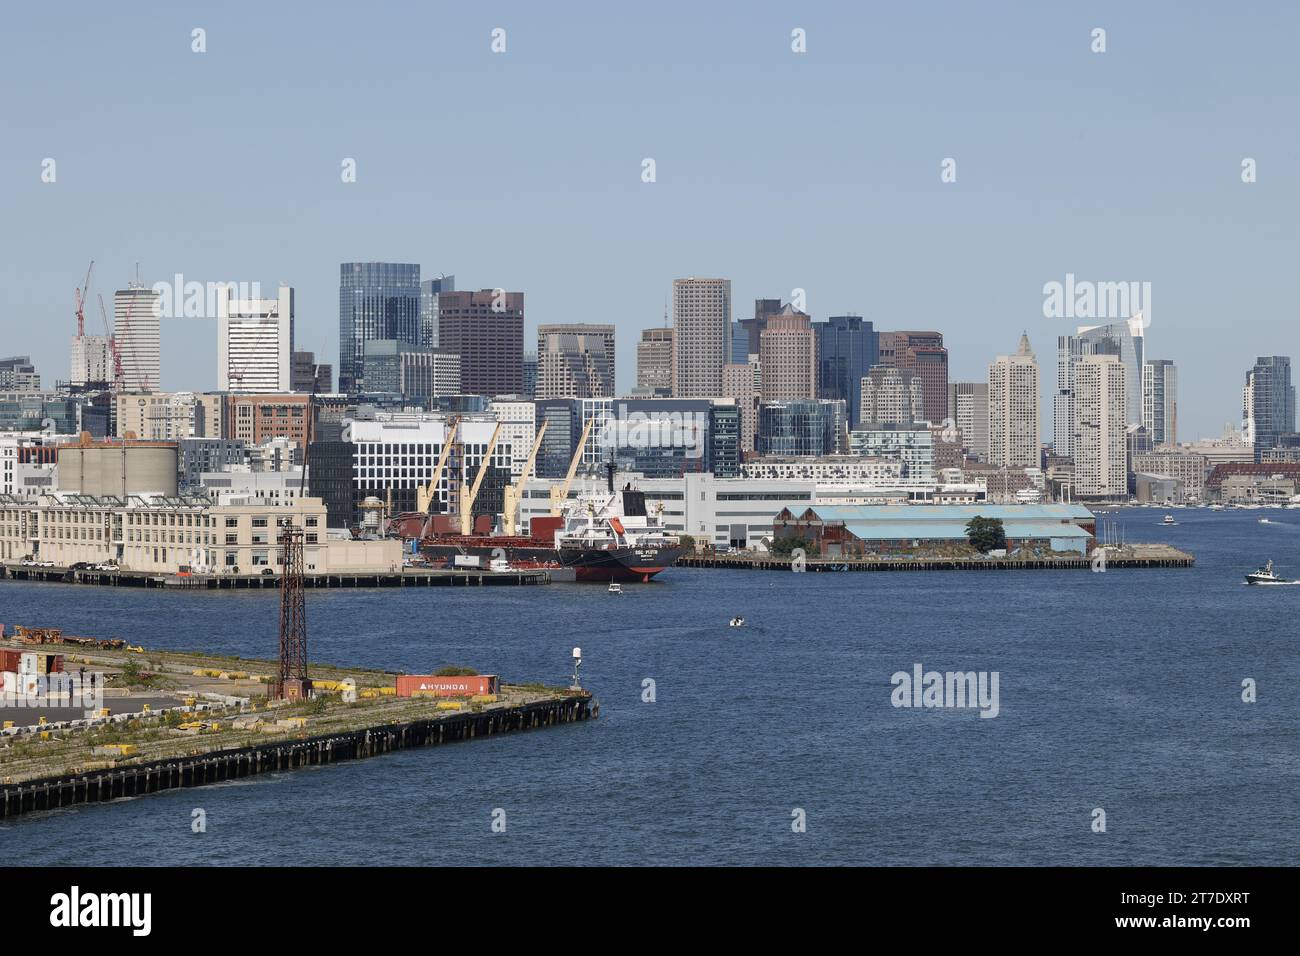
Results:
654 362
743 382
377 300
92 360
137 329
701 329
486 329
255 343
923 354
968 406
1101 426
1013 429
575 361
1271 402
1160 401
788 355
847 347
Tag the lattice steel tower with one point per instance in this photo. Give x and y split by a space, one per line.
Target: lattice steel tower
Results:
292 682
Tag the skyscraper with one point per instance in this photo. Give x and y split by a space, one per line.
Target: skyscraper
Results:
137 329
654 362
1160 401
575 360
890 396
255 343
968 405
308 376
752 329
788 356
1013 430
743 383
377 300
486 329
847 347
1271 403
1101 426
701 327
923 354
430 289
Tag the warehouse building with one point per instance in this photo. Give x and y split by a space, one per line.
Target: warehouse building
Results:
844 530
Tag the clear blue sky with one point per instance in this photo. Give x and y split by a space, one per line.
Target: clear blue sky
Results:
776 170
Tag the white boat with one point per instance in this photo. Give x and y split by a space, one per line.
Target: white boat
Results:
615 587
1264 521
1169 520
1264 575
736 622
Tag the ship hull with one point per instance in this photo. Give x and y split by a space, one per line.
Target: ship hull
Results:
588 564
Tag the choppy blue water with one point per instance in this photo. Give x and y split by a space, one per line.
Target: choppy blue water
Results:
1119 690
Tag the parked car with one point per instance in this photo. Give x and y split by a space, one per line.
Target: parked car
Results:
45 564
107 567
267 572
27 563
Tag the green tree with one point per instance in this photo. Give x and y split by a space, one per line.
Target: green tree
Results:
687 542
986 534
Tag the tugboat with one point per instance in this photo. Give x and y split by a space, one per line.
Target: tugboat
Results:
1264 575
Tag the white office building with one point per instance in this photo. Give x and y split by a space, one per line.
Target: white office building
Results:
137 329
255 343
1100 447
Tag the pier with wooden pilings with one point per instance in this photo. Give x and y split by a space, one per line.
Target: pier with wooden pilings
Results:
196 770
1140 557
394 578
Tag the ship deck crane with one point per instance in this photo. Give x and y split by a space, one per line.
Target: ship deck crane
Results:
561 492
467 504
514 493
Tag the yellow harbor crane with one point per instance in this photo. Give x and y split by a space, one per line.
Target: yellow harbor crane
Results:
559 493
514 493
467 502
424 496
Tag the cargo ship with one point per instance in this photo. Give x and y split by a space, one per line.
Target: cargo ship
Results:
602 537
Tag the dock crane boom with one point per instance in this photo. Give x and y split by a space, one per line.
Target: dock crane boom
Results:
467 504
515 493
426 495
560 492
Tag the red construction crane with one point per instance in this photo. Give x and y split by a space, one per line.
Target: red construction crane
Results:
118 375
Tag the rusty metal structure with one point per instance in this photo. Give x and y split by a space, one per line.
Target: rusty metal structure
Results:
292 682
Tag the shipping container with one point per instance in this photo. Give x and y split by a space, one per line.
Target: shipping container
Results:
467 561
408 684
9 660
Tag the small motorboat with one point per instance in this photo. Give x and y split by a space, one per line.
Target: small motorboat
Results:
736 622
1169 520
1264 575
1264 521
615 587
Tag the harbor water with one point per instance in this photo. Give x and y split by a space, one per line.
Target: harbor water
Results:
1119 692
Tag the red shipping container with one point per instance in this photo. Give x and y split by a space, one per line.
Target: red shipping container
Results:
408 684
9 660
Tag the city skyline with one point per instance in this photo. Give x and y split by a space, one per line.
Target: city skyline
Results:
966 258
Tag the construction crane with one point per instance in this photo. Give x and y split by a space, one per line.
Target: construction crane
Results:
112 347
81 301
514 493
467 503
561 492
426 495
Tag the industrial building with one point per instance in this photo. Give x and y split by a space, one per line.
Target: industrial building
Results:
843 531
